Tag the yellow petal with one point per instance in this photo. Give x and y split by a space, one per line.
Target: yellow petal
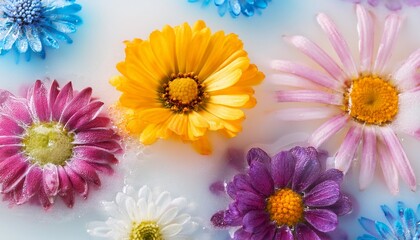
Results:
223 112
163 46
178 123
202 146
199 25
227 76
198 120
230 100
251 76
154 115
149 134
183 39
195 56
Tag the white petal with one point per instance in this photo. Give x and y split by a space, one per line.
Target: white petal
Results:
171 230
408 117
168 216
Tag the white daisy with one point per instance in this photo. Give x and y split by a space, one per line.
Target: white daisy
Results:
146 214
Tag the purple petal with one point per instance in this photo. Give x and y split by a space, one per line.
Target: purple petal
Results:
321 219
39 103
94 154
342 206
78 102
78 183
242 182
257 154
307 168
63 97
241 234
87 172
261 179
331 174
236 158
231 190
217 188
283 168
84 115
50 179
323 194
233 216
284 233
256 221
303 232
32 182
218 219
249 201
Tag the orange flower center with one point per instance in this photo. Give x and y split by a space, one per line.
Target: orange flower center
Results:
285 207
183 93
372 100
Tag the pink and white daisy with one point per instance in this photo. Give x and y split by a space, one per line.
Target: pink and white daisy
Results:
53 142
374 101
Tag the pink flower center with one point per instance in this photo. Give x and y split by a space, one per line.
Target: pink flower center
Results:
47 143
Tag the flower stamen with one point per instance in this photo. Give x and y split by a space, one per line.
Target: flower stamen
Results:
47 143
285 207
183 93
25 11
372 100
146 230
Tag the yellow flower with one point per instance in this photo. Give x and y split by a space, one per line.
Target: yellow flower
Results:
183 82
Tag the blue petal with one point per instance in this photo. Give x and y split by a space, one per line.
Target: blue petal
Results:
34 41
64 27
21 44
68 9
388 214
58 35
248 10
399 230
367 237
400 209
410 221
222 9
11 37
49 40
74 19
369 226
234 7
219 2
385 232
261 4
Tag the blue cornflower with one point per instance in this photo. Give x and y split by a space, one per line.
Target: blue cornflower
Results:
403 226
236 7
32 25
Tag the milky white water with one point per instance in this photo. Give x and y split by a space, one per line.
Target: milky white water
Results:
172 166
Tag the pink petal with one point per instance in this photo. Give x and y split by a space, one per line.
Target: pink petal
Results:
388 169
305 72
405 76
98 122
78 102
111 146
289 80
393 5
50 178
313 96
368 161
316 53
66 189
38 102
9 127
303 114
391 28
44 200
63 97
53 93
340 45
328 129
86 171
78 183
84 115
9 164
10 140
94 154
345 154
32 182
408 117
9 150
95 136
104 168
18 109
399 157
366 40
14 177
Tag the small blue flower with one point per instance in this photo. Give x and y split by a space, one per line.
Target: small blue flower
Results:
403 226
236 7
32 25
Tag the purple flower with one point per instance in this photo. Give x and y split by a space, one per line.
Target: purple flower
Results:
392 5
287 196
52 143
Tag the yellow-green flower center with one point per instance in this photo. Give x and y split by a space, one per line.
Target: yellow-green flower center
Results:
47 143
372 100
183 93
146 230
285 207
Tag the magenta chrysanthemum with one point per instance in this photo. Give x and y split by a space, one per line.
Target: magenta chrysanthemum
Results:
53 143
373 101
